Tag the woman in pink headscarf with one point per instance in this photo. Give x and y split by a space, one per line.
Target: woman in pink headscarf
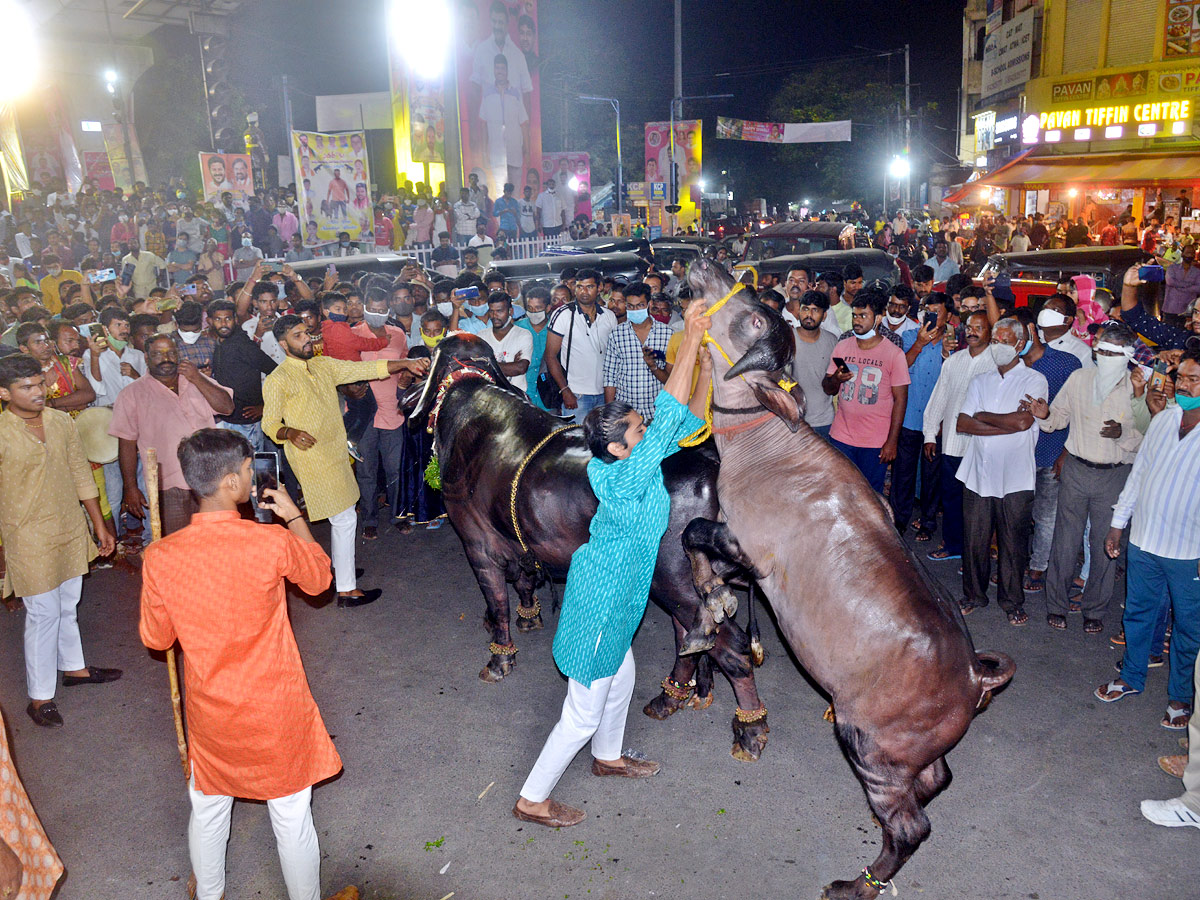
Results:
1087 310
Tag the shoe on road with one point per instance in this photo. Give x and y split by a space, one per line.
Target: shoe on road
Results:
1171 813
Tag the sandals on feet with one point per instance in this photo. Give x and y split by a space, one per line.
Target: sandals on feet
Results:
1092 626
966 607
1056 621
941 554
1176 718
1018 617
1033 583
1118 638
923 535
1113 691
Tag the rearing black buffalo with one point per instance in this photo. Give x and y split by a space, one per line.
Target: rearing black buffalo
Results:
484 429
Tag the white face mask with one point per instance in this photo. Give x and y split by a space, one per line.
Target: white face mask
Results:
246 242
536 318
1002 354
188 337
446 309
1050 318
894 321
502 325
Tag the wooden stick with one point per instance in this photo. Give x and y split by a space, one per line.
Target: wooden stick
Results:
172 667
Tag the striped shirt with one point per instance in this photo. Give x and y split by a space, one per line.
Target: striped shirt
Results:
625 368
1162 494
941 412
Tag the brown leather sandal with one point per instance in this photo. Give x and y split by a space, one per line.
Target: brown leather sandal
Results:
561 816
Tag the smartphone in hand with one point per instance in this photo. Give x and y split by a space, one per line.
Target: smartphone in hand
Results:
841 364
266 477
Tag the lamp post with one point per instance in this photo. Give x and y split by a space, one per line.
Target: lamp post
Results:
616 105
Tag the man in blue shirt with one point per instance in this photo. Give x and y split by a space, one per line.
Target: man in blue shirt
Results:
923 353
507 211
1056 366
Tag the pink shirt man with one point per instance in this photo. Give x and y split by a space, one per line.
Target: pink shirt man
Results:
864 411
387 416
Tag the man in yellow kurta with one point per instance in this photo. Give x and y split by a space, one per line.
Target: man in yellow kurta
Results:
301 412
44 476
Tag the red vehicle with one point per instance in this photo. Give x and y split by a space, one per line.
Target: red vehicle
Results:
1036 273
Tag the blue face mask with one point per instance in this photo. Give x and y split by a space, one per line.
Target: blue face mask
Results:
637 316
479 311
1028 346
335 317
1187 403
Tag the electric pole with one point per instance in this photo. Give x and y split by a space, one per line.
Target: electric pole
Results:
907 132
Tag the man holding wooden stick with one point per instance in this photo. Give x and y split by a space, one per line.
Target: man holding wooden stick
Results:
254 728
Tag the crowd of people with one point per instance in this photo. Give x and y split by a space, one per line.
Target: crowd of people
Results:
1050 449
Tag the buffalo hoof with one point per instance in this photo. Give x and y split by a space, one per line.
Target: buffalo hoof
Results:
663 707
496 669
749 739
722 602
531 624
698 702
849 890
696 641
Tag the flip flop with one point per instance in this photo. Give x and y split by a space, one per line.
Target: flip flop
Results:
1092 626
1018 617
1173 765
1115 687
966 607
1033 583
940 555
1058 622
923 535
1176 719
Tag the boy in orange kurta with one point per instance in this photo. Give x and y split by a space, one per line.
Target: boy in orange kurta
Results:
254 730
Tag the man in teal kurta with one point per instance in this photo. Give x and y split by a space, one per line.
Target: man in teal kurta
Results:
608 584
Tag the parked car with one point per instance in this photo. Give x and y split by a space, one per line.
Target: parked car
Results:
1036 273
877 265
688 247
792 238
640 246
629 266
388 263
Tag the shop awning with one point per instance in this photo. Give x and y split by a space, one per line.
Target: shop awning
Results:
1109 170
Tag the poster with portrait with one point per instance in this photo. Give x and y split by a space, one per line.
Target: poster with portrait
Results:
572 174
687 158
96 168
221 172
426 120
500 93
125 171
333 184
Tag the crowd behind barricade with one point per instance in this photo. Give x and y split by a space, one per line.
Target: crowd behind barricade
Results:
1051 451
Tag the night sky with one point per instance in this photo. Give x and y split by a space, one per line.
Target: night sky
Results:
622 48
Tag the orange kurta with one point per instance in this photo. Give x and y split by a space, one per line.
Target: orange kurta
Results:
254 730
21 830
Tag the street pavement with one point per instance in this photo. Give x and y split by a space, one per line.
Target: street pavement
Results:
1043 804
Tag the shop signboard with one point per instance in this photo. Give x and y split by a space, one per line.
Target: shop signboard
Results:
1111 122
1008 54
1181 37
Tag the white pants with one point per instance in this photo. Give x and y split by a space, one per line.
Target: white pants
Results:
597 712
52 642
343 530
295 838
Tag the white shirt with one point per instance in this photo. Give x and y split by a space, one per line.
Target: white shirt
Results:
518 340
942 270
481 241
1000 464
1162 493
504 113
550 209
1019 243
941 413
528 216
465 216
483 68
1068 343
112 382
268 343
585 374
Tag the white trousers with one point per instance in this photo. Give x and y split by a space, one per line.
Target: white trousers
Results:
343 529
596 713
295 838
52 643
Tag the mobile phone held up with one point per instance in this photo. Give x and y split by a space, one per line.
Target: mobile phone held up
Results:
102 276
266 478
841 364
467 293
930 320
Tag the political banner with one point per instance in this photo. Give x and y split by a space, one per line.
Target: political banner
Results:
687 161
499 99
227 172
334 185
783 132
115 138
97 169
426 120
572 172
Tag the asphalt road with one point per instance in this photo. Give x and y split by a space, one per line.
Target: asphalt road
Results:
1044 801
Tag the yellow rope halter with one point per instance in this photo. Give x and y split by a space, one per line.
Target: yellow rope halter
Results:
701 434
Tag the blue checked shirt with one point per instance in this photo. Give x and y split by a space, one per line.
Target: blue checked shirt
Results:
1162 493
1057 366
625 369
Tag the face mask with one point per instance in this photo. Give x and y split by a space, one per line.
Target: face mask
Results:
662 318
432 342
188 337
403 310
479 311
115 344
344 243
536 318
420 203
637 316
123 218
502 325
1002 354
335 317
171 212
894 321
281 291
1049 318
1187 403
375 319
866 337
1028 346
56 271
446 309
246 242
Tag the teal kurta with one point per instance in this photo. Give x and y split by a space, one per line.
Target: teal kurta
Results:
608 583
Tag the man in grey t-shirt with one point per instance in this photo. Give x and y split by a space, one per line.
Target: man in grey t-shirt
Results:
814 346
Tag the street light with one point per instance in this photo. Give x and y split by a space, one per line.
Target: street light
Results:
616 105
703 185
421 33
19 62
899 168
110 80
427 29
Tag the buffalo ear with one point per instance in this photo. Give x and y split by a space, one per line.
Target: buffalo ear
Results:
780 402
